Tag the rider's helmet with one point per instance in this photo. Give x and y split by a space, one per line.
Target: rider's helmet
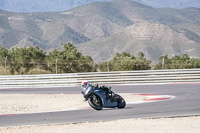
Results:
84 84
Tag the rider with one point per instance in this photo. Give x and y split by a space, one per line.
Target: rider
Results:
86 84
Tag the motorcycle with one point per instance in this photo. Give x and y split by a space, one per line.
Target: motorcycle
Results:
99 98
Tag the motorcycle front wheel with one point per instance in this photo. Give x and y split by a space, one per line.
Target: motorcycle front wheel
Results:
95 102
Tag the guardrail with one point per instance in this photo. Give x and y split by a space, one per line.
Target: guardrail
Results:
116 77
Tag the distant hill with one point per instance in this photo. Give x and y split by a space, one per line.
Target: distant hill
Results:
153 39
63 5
178 4
101 29
42 5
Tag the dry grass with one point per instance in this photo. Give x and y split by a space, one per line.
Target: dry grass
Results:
39 71
33 71
2 71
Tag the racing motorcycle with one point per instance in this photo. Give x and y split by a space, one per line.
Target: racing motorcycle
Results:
99 98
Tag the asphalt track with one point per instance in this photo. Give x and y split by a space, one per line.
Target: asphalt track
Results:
185 103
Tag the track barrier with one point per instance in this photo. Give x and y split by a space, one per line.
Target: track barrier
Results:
116 77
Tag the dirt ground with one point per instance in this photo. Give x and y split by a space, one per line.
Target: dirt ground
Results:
27 103
31 103
162 125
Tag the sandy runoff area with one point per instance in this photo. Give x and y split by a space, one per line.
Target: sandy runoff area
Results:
30 103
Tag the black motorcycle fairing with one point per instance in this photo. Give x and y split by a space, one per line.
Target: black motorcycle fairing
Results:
87 92
101 94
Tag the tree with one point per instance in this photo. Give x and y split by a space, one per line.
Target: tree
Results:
179 62
52 57
3 56
69 60
20 58
141 62
126 62
164 62
38 57
121 62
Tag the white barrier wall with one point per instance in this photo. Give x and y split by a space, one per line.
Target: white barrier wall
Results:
117 77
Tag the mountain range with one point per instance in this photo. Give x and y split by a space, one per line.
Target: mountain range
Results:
101 29
63 5
178 4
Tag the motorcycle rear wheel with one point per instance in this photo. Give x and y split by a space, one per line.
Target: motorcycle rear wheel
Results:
121 103
95 102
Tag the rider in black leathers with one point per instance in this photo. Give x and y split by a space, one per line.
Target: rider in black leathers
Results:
86 84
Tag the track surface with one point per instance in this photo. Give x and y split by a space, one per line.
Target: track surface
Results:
186 103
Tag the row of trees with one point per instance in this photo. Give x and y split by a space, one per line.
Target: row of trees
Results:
22 60
177 62
126 62
69 60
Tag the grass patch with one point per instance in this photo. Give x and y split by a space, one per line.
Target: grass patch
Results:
22 72
2 71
